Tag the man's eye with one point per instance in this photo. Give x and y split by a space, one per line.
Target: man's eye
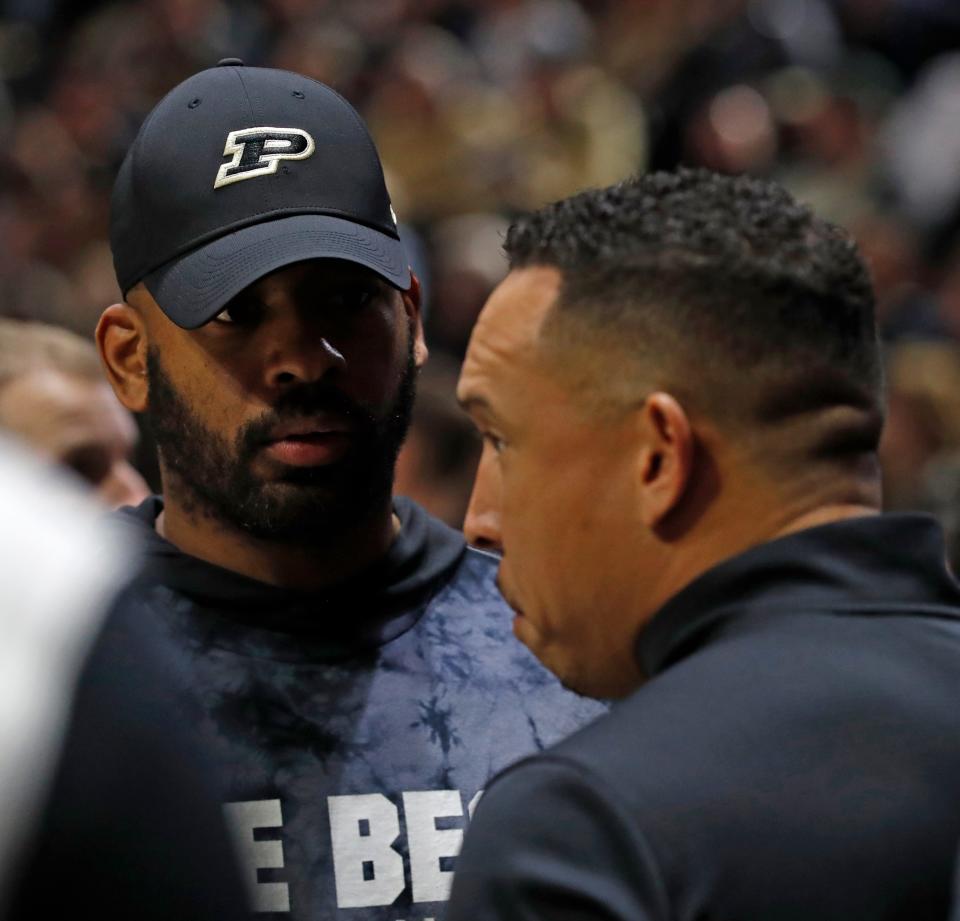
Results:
352 298
239 314
494 441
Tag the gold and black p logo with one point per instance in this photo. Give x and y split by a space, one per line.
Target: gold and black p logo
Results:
258 152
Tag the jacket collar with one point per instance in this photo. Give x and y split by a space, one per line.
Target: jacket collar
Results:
877 564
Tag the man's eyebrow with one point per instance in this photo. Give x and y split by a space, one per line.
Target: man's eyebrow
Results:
473 401
346 275
247 296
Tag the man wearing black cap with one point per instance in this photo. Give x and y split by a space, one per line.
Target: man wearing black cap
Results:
347 654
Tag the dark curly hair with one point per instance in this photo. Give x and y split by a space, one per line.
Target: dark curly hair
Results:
752 308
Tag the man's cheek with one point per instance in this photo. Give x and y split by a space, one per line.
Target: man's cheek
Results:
547 646
524 631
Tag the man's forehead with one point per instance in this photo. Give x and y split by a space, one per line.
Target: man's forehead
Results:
505 340
511 321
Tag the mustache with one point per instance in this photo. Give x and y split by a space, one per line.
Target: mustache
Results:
302 403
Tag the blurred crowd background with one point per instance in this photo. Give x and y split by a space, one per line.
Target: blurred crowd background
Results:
483 108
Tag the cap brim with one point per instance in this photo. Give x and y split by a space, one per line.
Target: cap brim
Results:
193 289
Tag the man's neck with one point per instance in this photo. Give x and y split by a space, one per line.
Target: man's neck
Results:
288 565
756 513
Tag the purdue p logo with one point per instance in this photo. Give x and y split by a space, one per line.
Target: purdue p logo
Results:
258 152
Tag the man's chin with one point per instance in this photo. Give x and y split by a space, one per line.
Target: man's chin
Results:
524 630
268 473
570 669
313 510
313 523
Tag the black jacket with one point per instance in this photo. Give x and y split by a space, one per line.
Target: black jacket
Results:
796 754
130 826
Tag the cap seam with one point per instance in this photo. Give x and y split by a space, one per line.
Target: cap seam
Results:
255 116
361 124
246 95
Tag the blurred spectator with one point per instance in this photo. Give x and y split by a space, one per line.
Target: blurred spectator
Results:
104 803
948 292
54 397
923 416
468 262
921 145
906 309
331 53
734 132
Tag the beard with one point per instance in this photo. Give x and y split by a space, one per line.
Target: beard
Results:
311 506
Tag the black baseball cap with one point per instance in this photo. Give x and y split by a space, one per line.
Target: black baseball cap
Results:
239 171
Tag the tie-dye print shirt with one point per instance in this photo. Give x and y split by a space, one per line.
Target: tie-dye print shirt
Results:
354 730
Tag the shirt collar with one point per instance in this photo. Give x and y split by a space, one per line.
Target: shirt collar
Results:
373 606
872 564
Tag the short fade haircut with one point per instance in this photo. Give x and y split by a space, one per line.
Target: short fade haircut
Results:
722 290
27 346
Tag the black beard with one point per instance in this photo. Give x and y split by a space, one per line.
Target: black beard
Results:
312 506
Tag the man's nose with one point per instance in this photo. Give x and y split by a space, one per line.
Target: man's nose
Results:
482 524
299 353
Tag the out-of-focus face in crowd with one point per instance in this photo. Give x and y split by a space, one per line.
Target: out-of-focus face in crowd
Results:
53 398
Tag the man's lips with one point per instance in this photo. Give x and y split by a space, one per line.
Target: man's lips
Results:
312 443
325 424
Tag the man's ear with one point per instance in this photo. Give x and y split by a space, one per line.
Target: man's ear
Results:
666 458
122 342
411 304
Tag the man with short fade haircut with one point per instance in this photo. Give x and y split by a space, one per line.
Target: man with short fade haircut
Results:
680 391
348 655
53 398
